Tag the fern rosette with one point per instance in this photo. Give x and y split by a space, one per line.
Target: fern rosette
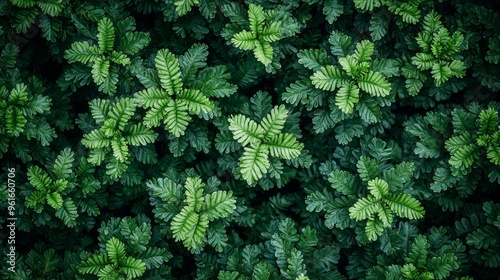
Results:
169 102
261 140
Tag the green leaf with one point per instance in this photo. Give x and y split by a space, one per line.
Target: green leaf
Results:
347 97
313 59
95 140
364 51
55 200
423 61
196 101
327 78
116 250
374 229
254 162
132 42
168 71
122 112
245 130
82 52
332 10
441 73
139 135
219 204
263 52
364 208
244 40
343 182
184 6
134 268
14 121
375 84
195 58
379 25
120 148
271 33
51 8
100 70
256 17
68 213
366 5
176 117
284 146
119 58
340 43
273 123
93 264
405 206
378 188
194 193
105 35
63 164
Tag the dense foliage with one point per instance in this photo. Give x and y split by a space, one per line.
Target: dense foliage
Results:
256 139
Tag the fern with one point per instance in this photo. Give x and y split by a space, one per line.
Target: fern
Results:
262 33
354 76
114 262
264 138
191 223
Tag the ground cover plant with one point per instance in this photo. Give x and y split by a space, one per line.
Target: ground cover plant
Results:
256 139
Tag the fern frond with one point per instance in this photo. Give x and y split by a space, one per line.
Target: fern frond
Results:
271 33
254 162
51 8
441 73
120 148
327 78
100 70
374 228
219 204
366 5
404 205
68 213
256 17
342 181
364 51
378 188
364 208
284 146
194 194
168 71
139 135
263 52
244 40
15 121
122 112
105 35
63 163
176 117
375 84
273 123
116 250
55 200
93 264
147 98
183 7
132 267
95 140
99 109
196 101
347 97
245 130
313 59
81 52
